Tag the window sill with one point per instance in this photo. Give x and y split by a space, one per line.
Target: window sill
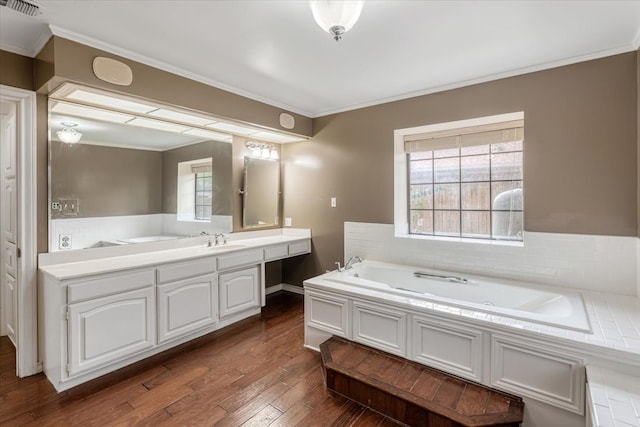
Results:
510 243
202 221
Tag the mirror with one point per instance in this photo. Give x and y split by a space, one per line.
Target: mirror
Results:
261 194
120 183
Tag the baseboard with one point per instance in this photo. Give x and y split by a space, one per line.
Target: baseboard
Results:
284 287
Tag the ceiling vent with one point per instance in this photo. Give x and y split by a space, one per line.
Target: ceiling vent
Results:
21 6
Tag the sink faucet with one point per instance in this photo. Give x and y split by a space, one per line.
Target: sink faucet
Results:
204 233
354 259
221 236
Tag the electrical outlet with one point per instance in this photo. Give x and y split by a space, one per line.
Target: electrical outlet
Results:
64 241
56 206
287 222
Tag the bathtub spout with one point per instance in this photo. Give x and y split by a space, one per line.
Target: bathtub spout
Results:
439 276
352 261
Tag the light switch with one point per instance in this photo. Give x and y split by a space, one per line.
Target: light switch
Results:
334 202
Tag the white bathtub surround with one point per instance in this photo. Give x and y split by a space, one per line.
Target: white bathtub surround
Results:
614 397
597 263
89 232
543 305
490 348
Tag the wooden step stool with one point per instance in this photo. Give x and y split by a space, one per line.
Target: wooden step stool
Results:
411 393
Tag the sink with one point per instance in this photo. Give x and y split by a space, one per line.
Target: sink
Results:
221 248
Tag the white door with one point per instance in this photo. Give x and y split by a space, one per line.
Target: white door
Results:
8 219
18 225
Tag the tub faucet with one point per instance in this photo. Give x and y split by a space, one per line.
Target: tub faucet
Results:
354 259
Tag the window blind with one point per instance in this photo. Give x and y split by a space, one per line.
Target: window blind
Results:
201 168
493 133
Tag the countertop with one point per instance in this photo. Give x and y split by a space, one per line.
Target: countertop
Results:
615 397
74 269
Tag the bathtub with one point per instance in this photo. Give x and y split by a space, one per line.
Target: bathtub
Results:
533 303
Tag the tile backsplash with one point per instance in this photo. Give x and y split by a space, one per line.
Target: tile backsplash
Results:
598 263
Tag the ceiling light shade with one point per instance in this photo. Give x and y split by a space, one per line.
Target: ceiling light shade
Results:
274 154
68 134
336 17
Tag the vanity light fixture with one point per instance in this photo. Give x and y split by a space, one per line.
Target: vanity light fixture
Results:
336 17
262 150
68 134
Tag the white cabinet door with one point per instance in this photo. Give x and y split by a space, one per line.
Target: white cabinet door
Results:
239 291
186 306
107 329
380 327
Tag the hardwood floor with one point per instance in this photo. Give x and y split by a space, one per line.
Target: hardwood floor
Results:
253 373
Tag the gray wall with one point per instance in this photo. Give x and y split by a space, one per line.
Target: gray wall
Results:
580 162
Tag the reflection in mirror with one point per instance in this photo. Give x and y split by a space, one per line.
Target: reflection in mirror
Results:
261 201
123 183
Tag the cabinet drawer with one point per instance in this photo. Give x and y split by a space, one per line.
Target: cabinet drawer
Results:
109 285
108 329
535 371
380 327
300 248
239 259
448 346
186 269
276 252
327 313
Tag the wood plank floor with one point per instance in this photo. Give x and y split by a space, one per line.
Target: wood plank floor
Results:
253 373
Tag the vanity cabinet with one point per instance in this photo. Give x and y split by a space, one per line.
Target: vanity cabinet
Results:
239 290
101 315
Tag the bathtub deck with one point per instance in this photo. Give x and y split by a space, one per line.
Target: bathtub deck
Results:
411 393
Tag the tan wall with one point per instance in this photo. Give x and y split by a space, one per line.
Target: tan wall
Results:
638 134
580 163
107 181
16 70
221 154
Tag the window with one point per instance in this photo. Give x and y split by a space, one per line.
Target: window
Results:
203 192
466 181
195 190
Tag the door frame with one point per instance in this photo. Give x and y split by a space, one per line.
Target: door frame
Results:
27 315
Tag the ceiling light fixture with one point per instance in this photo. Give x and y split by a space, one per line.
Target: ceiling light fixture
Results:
68 134
336 17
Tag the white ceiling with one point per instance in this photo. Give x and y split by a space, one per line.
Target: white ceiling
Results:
273 51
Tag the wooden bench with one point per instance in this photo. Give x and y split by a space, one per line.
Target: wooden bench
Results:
411 393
